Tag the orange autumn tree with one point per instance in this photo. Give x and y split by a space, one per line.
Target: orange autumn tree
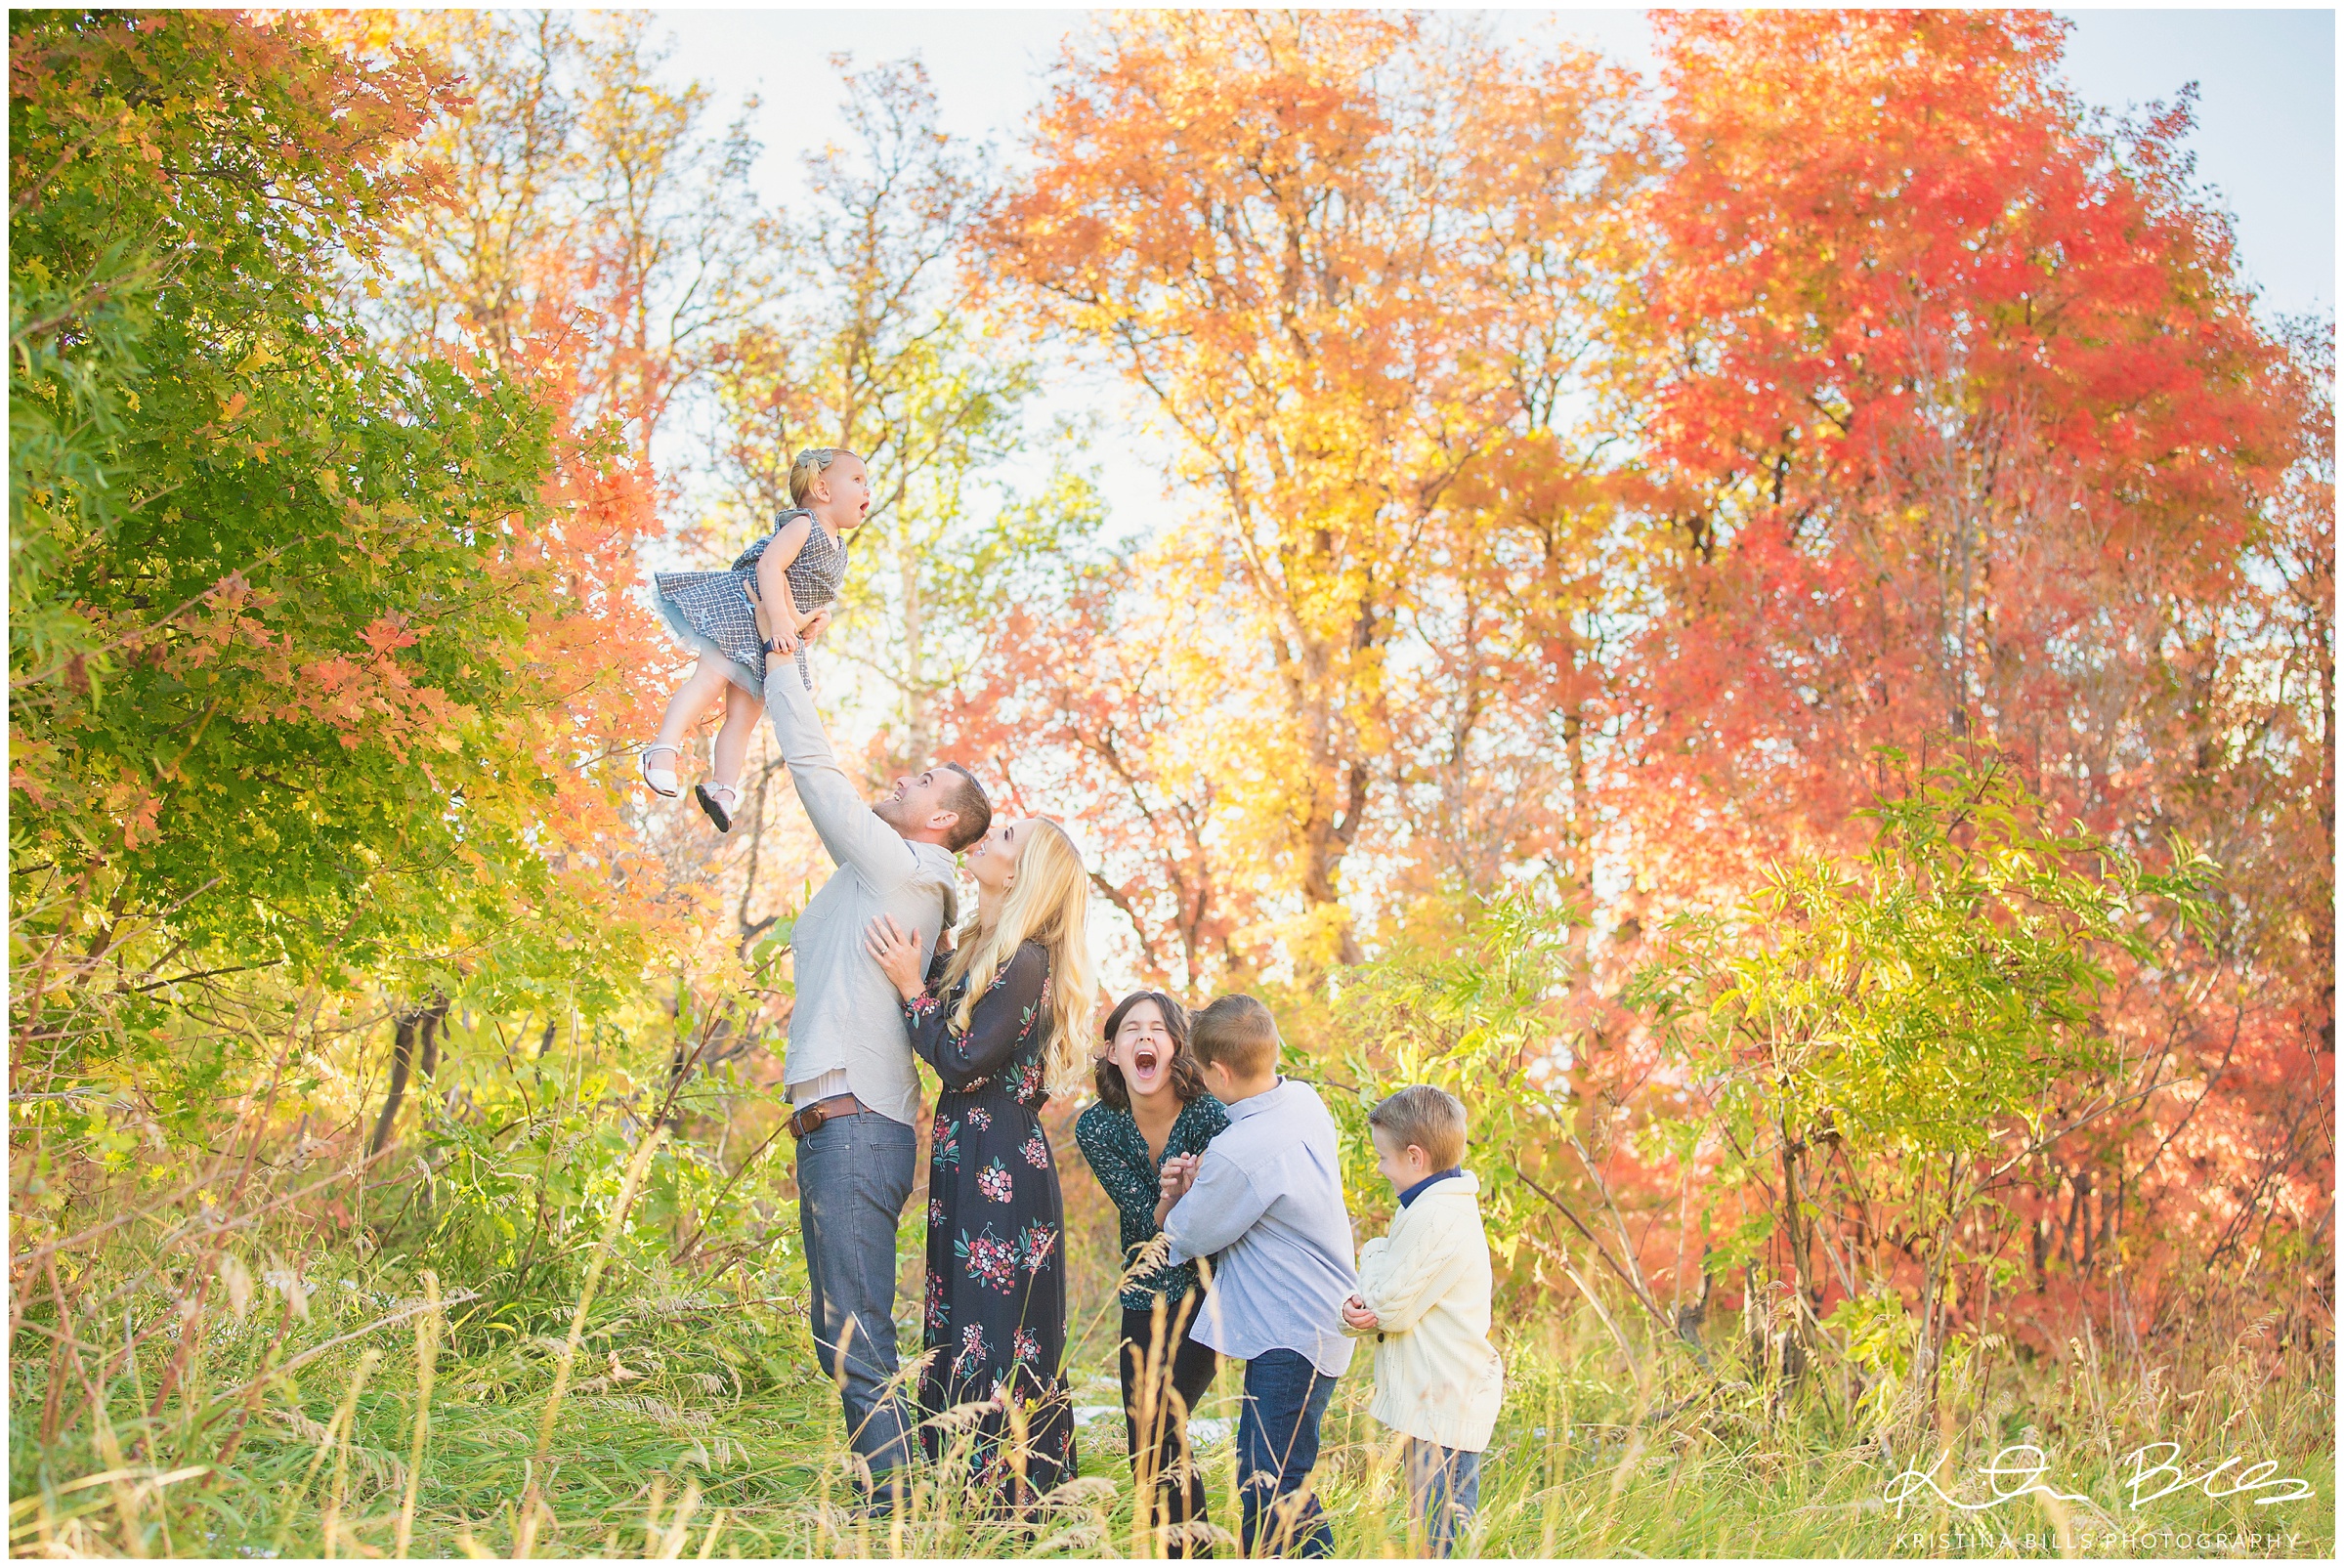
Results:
565 221
1340 258
1959 426
1942 378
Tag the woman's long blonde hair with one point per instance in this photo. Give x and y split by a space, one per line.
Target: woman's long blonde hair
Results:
1050 902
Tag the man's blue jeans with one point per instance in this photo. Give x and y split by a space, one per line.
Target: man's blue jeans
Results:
1277 1444
854 1175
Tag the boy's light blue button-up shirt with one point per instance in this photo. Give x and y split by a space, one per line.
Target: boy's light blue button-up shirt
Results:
1268 1199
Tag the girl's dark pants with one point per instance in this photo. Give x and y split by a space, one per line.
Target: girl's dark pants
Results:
1165 1376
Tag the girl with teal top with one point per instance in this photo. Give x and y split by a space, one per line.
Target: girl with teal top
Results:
1152 1116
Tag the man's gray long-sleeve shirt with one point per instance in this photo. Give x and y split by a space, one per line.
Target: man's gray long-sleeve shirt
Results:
1268 1198
849 1017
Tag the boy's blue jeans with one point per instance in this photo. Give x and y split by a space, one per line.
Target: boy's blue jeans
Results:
1277 1444
1444 1488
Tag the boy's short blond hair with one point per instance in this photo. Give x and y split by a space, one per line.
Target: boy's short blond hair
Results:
1238 1033
1431 1118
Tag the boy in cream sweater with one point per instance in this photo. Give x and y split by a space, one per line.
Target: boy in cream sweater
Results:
1424 1295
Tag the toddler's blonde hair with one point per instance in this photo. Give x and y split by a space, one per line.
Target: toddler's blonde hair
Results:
807 466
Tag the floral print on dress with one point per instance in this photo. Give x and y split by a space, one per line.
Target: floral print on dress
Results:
1037 1246
995 1333
988 1259
932 1311
1028 1082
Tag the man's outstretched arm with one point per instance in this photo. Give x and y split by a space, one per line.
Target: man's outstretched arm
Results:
848 829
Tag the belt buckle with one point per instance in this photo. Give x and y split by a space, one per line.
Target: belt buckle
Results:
808 1122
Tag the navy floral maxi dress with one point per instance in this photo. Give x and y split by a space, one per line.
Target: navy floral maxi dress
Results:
994 1322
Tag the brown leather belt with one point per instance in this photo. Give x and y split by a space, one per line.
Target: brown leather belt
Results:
807 1117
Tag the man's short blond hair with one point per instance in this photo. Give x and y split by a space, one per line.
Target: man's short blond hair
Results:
1238 1033
1431 1118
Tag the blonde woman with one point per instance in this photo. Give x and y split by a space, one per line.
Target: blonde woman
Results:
1005 1018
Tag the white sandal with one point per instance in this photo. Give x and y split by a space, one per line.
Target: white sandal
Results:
720 812
662 780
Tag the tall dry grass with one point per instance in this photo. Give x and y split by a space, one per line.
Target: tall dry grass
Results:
282 1345
332 1401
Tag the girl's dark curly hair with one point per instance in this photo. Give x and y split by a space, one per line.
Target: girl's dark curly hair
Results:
1188 1079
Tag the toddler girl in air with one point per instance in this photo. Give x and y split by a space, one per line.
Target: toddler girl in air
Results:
761 606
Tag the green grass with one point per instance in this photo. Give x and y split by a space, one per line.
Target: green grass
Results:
695 1422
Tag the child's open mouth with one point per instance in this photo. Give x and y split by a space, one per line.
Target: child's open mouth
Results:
1144 1060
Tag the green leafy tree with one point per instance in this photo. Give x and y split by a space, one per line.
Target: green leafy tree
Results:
281 692
1879 1048
1490 998
1464 997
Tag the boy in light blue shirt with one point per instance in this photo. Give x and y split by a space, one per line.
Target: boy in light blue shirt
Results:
1266 1195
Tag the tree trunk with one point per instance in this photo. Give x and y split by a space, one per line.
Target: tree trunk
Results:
427 1042
402 1056
416 1046
1804 1301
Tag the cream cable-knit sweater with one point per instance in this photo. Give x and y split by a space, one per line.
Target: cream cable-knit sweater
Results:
1437 1376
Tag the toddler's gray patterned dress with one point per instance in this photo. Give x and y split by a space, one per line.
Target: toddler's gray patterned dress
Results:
711 611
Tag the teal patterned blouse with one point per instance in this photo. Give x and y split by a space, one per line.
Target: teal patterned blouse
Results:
1119 1156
